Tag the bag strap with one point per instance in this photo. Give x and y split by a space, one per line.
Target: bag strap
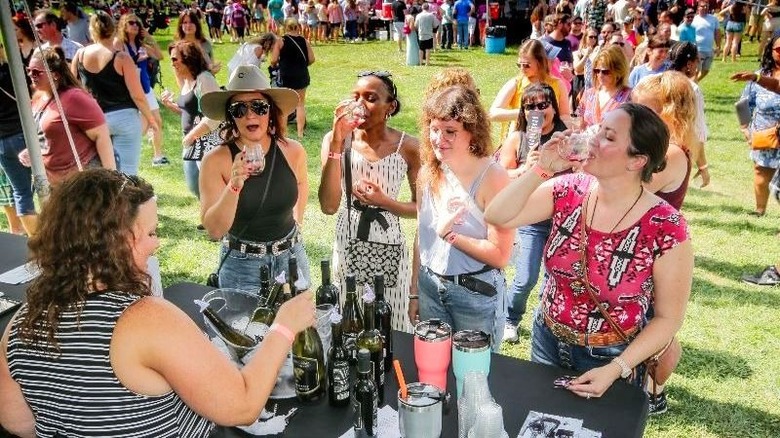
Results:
262 200
583 264
305 58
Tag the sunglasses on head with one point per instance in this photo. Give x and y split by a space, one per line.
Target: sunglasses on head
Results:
378 73
34 72
540 106
523 65
601 71
240 109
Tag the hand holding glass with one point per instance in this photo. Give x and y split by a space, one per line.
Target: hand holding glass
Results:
575 147
254 157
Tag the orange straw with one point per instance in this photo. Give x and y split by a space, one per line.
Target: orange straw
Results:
400 376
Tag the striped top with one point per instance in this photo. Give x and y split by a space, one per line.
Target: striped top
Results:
75 393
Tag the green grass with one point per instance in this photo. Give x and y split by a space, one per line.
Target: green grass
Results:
728 383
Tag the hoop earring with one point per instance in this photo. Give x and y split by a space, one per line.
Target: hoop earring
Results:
387 116
473 148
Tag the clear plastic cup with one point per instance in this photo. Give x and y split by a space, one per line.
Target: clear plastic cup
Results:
489 422
254 158
575 147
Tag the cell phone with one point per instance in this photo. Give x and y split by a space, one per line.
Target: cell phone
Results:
563 381
8 305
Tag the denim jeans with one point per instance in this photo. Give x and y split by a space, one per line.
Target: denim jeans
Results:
191 176
19 175
547 349
528 262
463 35
446 36
125 128
461 308
242 271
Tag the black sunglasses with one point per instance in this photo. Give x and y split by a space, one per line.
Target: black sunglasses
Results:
601 71
619 43
240 109
133 23
523 65
541 106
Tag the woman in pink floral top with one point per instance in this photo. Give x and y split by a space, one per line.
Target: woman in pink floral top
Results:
637 252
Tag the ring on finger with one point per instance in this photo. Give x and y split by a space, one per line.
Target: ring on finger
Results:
587 395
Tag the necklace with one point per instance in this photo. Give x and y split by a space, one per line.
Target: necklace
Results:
596 203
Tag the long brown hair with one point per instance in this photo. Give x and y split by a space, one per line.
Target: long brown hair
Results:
83 245
195 19
457 103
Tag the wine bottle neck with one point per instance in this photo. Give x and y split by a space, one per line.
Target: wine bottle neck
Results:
368 315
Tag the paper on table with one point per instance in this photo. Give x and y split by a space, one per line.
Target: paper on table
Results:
20 274
541 424
387 419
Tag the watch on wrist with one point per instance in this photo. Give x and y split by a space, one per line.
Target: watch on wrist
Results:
625 371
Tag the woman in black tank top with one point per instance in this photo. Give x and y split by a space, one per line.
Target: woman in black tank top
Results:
258 214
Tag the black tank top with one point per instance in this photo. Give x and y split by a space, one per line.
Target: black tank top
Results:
107 87
275 220
190 114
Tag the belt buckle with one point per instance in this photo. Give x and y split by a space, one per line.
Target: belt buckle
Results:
242 248
275 247
564 333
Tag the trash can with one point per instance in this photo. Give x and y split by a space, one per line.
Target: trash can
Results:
495 41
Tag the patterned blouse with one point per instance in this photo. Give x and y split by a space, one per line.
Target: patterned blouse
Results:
591 111
620 264
765 107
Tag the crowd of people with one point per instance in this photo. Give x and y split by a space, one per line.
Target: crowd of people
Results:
605 233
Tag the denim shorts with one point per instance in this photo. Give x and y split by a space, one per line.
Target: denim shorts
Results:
242 270
18 174
464 309
735 27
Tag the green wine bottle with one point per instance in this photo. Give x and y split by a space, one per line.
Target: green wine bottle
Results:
265 284
352 324
371 340
224 329
327 293
309 365
383 319
364 399
265 314
338 367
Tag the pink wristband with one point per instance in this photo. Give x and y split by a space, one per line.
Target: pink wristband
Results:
283 330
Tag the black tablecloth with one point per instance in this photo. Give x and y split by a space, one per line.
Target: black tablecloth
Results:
13 253
519 386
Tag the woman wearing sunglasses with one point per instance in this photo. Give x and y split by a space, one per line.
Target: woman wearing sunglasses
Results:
258 209
86 123
133 39
534 67
610 73
517 158
190 68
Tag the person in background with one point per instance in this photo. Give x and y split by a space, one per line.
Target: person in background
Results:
194 80
424 23
189 28
381 157
611 90
322 18
335 18
275 15
399 18
658 52
214 21
707 37
516 157
112 78
259 217
351 18
7 202
86 123
765 107
49 27
583 66
735 24
133 39
76 23
12 143
462 11
93 328
447 24
686 31
460 278
412 42
25 37
576 34
771 23
587 310
294 54
312 22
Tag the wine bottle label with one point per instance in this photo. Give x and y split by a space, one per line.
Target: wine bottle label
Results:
306 375
340 380
350 340
378 368
365 422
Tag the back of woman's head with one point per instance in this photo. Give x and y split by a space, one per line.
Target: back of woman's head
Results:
83 245
534 49
101 26
448 77
291 25
649 137
54 58
191 55
673 94
614 60
681 53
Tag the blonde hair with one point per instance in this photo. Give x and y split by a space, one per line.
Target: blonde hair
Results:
448 77
101 26
534 49
121 34
614 59
291 25
674 95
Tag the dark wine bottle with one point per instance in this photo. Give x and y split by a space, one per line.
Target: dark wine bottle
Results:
292 273
327 293
383 319
265 314
224 329
309 365
364 399
265 284
338 367
352 324
371 340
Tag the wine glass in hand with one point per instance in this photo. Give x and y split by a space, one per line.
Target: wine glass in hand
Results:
254 158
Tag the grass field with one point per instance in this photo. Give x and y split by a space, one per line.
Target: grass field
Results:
728 383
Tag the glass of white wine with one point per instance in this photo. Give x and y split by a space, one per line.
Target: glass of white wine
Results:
254 158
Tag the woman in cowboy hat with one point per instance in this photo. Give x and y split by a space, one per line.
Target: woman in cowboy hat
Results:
256 207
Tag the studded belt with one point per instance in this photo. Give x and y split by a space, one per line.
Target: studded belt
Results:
571 336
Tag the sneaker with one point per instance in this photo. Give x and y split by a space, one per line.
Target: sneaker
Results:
658 403
510 333
767 277
160 161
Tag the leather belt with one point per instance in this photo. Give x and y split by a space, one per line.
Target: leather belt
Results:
273 248
571 336
472 283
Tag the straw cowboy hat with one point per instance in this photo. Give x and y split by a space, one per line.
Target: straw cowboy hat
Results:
247 79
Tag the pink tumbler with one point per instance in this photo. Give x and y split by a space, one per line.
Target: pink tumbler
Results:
432 351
